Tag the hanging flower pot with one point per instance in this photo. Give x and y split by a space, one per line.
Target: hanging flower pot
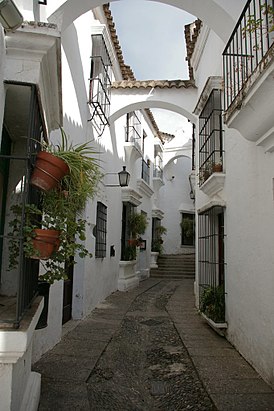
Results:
48 171
132 242
45 243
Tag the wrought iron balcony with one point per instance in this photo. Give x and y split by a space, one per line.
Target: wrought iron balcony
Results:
248 49
133 136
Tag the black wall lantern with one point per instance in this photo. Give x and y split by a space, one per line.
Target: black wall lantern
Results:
124 177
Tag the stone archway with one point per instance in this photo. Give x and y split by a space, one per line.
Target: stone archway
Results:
219 15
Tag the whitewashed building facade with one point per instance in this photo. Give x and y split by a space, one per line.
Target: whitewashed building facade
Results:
228 99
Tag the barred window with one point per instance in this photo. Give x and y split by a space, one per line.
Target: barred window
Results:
211 137
101 231
188 229
100 82
211 258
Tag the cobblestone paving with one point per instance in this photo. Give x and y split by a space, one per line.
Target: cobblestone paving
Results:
146 366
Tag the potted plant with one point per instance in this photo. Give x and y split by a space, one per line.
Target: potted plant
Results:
48 171
212 303
55 162
217 167
157 243
137 225
157 246
60 210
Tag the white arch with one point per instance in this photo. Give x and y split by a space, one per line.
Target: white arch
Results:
177 152
219 15
181 101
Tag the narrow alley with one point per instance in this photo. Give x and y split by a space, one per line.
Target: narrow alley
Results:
148 349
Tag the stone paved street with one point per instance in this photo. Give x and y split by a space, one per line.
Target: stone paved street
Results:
148 350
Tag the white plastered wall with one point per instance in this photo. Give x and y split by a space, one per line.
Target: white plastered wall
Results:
248 194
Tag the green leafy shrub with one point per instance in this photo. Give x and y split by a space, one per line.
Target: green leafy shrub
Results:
212 303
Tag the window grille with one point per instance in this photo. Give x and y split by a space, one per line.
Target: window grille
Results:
156 222
211 137
101 231
188 229
211 251
100 81
158 165
134 129
126 249
145 175
18 191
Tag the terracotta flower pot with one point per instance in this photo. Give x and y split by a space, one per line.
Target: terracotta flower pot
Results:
48 171
45 242
217 168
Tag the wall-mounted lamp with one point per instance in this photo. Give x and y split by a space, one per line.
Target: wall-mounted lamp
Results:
124 178
10 16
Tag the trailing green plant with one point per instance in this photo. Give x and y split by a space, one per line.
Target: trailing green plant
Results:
82 181
130 253
212 303
72 236
157 246
160 230
60 209
252 24
32 221
137 224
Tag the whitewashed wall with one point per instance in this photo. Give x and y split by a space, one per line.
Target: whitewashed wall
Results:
249 225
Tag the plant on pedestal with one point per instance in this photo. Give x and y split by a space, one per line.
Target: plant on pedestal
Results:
157 243
137 225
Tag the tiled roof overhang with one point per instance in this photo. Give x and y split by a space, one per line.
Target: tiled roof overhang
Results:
191 35
153 84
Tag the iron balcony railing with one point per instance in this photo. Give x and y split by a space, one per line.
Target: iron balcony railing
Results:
145 171
211 151
133 136
247 47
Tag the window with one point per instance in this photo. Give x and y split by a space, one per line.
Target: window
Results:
156 223
101 231
146 171
128 252
210 137
212 261
17 157
100 81
134 129
188 229
158 161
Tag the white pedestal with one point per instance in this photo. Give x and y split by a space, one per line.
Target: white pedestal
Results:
153 259
128 277
19 387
